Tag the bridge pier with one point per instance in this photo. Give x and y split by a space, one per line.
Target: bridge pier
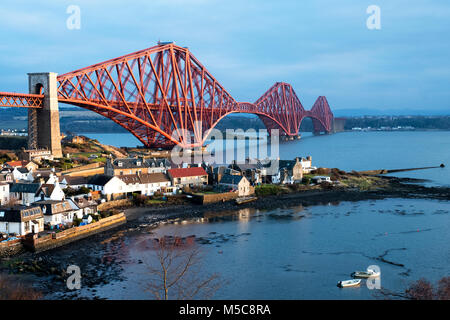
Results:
43 123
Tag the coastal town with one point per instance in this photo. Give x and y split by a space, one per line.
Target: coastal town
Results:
46 198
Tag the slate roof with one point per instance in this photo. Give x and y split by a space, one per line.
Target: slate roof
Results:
73 180
22 170
47 189
25 187
144 178
98 180
231 179
130 163
20 213
82 202
54 206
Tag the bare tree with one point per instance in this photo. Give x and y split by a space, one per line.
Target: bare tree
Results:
420 290
423 289
12 201
177 272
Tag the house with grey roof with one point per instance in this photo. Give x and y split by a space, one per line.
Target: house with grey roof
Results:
22 174
21 220
137 165
50 192
240 184
24 192
57 212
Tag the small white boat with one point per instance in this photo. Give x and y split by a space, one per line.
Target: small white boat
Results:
366 274
349 283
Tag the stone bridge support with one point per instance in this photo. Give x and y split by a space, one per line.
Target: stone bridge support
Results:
43 124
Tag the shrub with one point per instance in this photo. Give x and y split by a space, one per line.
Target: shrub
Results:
321 171
77 222
268 189
139 200
306 180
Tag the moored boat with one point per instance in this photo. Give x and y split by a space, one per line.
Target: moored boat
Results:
245 200
366 274
349 283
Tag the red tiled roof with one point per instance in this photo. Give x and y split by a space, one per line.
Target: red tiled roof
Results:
18 163
187 172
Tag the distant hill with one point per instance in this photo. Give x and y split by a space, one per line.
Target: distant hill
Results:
389 112
78 120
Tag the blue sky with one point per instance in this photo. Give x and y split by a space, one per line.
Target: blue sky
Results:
321 47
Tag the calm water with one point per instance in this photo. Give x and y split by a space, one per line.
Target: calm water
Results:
301 253
358 151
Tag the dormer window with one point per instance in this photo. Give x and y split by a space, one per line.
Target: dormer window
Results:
120 164
138 163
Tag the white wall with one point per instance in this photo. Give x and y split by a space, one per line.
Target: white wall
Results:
11 227
4 193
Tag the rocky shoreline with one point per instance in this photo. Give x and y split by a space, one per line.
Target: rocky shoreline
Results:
96 255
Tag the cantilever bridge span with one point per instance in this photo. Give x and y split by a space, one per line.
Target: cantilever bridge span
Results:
160 93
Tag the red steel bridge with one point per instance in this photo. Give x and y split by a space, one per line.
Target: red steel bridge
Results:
161 92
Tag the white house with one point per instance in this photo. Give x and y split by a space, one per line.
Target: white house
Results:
307 164
21 220
86 204
73 182
320 179
148 184
52 179
4 193
145 184
22 174
50 192
57 212
78 212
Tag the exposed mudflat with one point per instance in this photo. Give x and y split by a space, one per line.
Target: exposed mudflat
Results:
99 259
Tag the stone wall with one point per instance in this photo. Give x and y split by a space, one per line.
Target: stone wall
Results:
84 167
113 204
10 248
214 197
54 240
